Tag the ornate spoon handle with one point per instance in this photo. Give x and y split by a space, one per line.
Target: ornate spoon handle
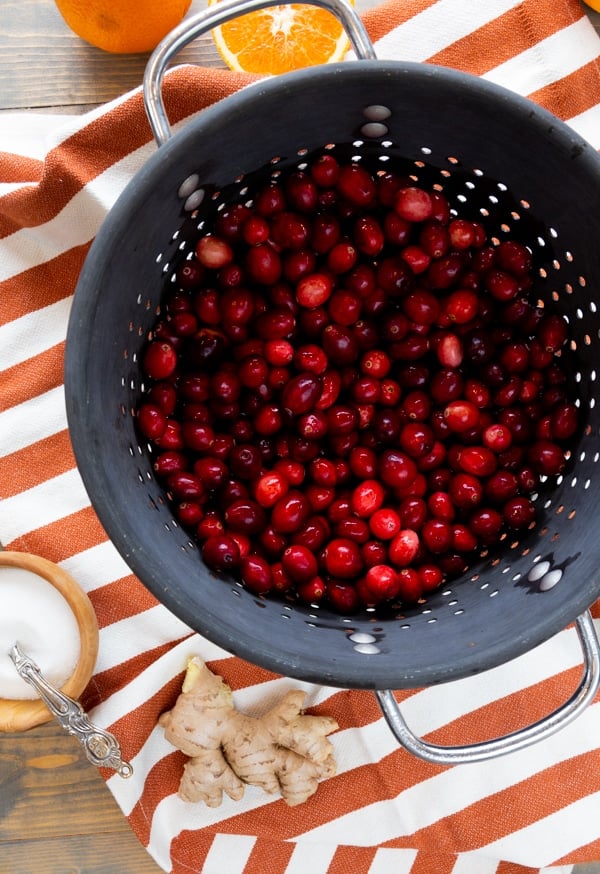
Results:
101 747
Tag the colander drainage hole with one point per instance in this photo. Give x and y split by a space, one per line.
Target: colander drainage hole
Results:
364 643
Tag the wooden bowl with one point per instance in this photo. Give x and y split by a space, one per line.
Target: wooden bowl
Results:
19 715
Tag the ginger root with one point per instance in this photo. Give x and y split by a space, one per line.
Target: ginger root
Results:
283 751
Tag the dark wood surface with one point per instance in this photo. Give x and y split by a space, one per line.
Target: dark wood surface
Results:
56 814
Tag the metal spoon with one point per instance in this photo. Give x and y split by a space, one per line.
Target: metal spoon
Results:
101 747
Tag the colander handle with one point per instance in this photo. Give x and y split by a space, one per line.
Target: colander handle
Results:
517 740
196 25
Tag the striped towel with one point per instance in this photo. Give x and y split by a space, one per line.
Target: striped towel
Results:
385 812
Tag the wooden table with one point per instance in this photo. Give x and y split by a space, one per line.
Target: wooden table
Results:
56 814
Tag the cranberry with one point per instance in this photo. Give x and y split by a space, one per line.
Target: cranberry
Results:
160 360
301 393
382 582
290 512
342 257
394 275
151 420
384 523
189 275
501 486
461 306
343 598
245 516
396 469
413 204
313 534
486 523
263 264
213 252
313 591
547 458
446 271
437 535
461 415
171 438
552 332
514 257
430 577
501 285
342 558
356 185
416 439
373 552
169 462
477 460
446 385
255 572
497 437
221 552
299 563
564 421
404 547
519 512
367 497
339 344
434 238
212 471
410 589
325 171
245 461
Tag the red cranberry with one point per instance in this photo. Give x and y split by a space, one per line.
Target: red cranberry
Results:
382 582
356 185
519 512
300 563
301 393
547 458
160 360
151 420
290 512
437 535
413 204
255 573
404 547
213 252
342 558
313 591
325 171
477 460
486 523
221 552
342 597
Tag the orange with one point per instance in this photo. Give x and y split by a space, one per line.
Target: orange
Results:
123 26
593 4
280 39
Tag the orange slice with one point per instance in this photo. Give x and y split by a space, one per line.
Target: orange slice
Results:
280 39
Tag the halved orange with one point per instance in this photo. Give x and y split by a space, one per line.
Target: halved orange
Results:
280 39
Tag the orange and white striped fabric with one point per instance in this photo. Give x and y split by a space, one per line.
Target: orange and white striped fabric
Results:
385 812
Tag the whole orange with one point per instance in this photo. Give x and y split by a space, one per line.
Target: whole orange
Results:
123 26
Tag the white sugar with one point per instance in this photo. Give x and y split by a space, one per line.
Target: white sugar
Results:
34 614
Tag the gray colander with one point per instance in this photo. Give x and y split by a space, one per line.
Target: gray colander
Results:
497 157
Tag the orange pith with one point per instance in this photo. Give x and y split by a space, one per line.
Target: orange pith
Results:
123 26
280 39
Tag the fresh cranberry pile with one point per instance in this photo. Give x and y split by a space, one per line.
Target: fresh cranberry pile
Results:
351 391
